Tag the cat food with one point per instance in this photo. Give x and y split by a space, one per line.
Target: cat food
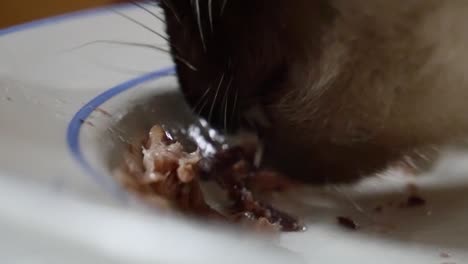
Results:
165 174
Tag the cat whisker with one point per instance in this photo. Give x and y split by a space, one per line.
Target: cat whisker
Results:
226 103
210 13
141 24
216 97
234 105
223 7
198 112
148 11
118 42
202 98
140 45
168 5
199 21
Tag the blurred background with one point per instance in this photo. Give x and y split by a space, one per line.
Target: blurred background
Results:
14 12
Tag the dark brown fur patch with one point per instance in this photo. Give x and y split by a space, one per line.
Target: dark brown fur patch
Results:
350 86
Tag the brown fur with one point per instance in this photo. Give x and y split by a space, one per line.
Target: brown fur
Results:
362 83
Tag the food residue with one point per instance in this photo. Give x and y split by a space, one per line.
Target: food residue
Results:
102 111
415 201
86 122
347 222
164 171
378 209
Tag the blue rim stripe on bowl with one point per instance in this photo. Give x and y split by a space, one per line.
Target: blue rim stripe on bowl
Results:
74 127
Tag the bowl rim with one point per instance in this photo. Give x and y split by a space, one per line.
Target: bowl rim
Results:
75 124
73 132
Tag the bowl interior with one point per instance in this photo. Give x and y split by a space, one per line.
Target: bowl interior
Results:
388 223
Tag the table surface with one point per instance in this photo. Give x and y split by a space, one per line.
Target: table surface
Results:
15 12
